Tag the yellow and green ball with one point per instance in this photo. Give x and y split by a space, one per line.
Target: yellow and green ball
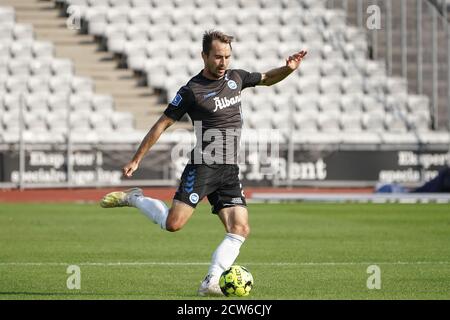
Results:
237 281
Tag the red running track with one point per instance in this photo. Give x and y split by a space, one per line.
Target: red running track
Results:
166 194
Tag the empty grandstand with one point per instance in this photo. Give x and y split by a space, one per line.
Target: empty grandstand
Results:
352 115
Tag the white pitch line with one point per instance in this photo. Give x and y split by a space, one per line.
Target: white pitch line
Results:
138 264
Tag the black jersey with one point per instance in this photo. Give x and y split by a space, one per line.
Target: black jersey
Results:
214 107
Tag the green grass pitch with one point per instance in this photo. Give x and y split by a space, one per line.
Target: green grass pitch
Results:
295 251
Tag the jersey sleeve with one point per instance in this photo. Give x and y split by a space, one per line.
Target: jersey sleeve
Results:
249 79
180 104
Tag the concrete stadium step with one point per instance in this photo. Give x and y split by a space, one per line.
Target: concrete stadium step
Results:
88 60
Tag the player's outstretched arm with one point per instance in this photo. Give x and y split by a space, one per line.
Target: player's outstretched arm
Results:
149 140
276 75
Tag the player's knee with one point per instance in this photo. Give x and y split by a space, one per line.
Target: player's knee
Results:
173 225
242 230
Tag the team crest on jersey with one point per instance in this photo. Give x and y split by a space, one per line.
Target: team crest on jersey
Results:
176 100
193 198
232 84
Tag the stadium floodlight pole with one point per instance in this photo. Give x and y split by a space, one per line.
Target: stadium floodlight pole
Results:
419 46
389 37
435 79
21 143
404 33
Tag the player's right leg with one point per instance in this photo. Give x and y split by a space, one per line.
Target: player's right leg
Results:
178 216
156 210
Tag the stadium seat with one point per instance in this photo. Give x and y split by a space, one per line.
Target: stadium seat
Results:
102 103
352 85
78 2
11 102
306 123
42 50
293 4
419 121
62 67
317 138
42 67
330 85
16 84
101 123
122 120
80 136
6 31
309 85
58 102
351 123
38 84
429 137
372 104
338 90
396 138
21 50
140 15
80 103
7 15
374 122
82 85
418 103
329 122
19 67
23 32
305 102
35 102
395 123
364 138
351 103
140 3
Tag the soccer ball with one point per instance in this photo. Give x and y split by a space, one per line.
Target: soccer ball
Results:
237 281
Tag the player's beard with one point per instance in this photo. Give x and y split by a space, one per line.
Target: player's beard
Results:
216 71
221 72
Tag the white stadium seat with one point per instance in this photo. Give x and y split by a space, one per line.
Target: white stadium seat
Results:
351 103
351 122
7 15
338 89
374 122
23 32
329 122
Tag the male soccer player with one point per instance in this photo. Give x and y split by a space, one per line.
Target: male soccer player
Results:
212 100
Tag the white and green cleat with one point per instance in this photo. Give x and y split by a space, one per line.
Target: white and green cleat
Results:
120 198
210 287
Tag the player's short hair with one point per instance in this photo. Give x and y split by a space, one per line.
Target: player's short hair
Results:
211 35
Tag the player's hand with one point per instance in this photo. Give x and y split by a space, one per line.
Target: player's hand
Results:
129 169
294 61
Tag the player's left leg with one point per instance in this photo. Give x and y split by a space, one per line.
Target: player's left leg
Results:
235 220
229 203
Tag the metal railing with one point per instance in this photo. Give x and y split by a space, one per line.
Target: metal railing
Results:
414 42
